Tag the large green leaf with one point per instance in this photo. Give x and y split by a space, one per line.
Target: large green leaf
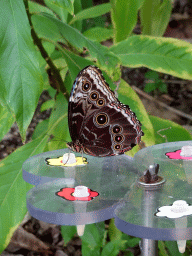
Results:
92 12
165 55
168 131
6 121
20 77
72 35
124 17
13 189
78 40
155 15
128 96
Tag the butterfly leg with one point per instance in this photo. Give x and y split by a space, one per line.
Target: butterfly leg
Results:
68 156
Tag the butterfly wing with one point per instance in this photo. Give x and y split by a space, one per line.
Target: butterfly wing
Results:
99 124
89 93
111 130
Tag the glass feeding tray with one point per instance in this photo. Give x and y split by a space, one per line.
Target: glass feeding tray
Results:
53 200
139 213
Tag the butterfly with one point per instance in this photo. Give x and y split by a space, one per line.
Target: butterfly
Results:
99 124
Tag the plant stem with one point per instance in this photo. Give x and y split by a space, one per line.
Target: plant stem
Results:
56 74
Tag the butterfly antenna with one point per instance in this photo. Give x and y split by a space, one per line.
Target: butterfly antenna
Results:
163 136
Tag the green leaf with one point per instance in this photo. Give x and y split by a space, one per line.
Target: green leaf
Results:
129 97
152 75
37 8
61 12
6 121
75 38
102 232
13 189
150 87
47 104
131 241
171 130
92 12
68 233
21 82
124 17
173 248
65 4
164 55
91 241
51 92
77 8
92 236
162 87
155 16
45 28
98 34
58 124
40 129
113 247
74 62
162 249
49 47
113 231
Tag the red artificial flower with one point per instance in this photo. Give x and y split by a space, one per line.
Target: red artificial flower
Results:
67 193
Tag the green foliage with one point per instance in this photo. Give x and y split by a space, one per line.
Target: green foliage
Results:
165 55
172 248
6 121
60 44
168 131
68 233
155 15
155 84
19 68
91 12
124 17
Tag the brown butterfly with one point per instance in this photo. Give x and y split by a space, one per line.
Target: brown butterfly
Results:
99 124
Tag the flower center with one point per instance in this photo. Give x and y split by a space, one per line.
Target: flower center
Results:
186 151
69 158
81 191
179 206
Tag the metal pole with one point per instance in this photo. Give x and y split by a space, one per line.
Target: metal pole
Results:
152 183
149 247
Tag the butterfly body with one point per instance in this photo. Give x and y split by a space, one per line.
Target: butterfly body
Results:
99 124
